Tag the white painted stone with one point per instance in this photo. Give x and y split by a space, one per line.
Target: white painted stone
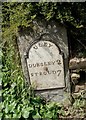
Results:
45 66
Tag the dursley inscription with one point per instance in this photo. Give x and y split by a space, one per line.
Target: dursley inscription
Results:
45 66
44 59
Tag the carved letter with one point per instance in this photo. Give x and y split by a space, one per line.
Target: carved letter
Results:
34 65
31 74
41 64
36 74
45 44
49 63
35 47
37 64
44 73
30 65
58 71
50 45
40 73
45 63
53 62
58 62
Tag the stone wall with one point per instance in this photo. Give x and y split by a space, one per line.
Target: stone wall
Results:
77 67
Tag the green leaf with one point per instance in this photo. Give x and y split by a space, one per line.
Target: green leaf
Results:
1 105
33 17
7 109
8 116
48 114
26 111
25 114
1 115
17 115
36 116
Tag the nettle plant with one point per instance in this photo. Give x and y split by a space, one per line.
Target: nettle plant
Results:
19 100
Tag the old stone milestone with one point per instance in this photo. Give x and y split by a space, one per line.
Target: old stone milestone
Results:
44 59
45 66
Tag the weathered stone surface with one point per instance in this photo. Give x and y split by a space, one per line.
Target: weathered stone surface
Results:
75 77
48 86
45 66
77 63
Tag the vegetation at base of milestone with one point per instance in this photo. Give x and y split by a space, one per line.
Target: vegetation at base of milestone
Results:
19 100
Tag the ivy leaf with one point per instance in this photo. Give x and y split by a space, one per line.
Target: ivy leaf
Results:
1 115
1 105
7 109
48 114
17 115
26 111
36 116
33 17
25 114
8 116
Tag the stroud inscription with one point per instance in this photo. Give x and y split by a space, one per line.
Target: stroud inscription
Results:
45 66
